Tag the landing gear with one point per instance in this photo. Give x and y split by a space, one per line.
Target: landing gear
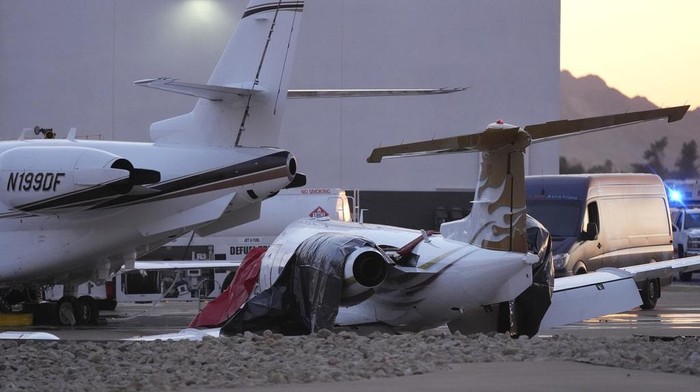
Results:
78 311
88 310
68 309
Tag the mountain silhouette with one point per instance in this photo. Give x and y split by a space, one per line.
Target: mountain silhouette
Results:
591 96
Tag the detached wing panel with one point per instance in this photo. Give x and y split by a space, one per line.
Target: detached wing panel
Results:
663 269
580 297
607 290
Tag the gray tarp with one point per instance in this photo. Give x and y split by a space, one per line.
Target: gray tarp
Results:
306 296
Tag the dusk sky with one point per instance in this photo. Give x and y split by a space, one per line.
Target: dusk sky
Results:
640 47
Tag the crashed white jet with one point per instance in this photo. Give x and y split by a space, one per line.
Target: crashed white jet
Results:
491 271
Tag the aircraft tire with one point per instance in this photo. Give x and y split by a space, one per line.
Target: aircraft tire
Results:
88 311
67 307
649 294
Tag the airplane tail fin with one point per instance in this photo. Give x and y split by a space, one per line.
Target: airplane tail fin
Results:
243 101
497 220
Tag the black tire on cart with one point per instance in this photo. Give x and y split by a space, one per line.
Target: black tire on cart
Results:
650 294
89 311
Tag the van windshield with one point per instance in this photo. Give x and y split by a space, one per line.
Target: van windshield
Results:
561 218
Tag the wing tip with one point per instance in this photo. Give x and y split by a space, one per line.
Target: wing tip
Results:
677 113
374 157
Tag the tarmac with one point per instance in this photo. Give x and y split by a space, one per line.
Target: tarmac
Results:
677 314
509 376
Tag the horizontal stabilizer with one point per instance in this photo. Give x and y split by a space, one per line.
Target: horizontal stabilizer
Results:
206 91
500 134
221 93
349 93
556 129
454 144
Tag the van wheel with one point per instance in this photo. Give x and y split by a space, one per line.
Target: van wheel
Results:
650 293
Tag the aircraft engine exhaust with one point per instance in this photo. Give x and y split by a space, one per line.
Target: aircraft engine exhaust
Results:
365 268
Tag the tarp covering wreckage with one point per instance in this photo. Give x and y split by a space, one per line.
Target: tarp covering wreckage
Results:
305 297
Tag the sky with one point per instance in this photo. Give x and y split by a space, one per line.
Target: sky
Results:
649 48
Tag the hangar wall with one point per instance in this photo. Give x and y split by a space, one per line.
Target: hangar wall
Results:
71 63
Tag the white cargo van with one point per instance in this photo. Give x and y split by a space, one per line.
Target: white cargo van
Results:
604 220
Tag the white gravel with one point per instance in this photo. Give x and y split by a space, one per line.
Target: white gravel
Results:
253 360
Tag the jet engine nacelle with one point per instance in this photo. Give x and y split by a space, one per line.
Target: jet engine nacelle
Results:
365 268
36 178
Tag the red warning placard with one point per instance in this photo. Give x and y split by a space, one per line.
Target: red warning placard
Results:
318 213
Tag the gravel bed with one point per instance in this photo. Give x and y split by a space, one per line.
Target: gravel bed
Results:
254 360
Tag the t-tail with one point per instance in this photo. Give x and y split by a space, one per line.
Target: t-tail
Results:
243 101
498 217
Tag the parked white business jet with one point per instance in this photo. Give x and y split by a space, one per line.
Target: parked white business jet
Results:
491 271
76 210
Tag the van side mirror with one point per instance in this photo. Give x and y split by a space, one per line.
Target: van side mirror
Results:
591 231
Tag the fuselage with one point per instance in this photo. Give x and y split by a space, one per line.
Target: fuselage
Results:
449 278
74 237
